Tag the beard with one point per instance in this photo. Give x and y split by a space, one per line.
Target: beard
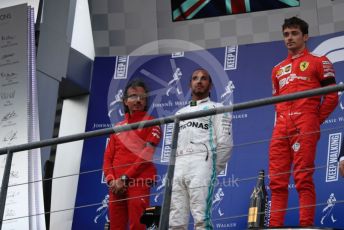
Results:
201 93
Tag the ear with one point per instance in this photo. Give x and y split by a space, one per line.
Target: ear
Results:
125 102
305 37
210 85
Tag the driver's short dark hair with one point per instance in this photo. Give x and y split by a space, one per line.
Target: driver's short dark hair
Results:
295 22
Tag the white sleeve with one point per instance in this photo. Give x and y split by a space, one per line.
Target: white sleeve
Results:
224 139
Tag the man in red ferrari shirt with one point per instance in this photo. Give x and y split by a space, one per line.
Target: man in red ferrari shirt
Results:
128 166
297 127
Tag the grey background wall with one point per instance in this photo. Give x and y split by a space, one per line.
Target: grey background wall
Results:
121 26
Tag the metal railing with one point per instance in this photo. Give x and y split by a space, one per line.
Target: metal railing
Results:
164 220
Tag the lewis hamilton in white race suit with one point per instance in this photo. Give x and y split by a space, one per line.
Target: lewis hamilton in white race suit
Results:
204 147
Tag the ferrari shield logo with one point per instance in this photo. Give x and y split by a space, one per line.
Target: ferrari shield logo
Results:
304 65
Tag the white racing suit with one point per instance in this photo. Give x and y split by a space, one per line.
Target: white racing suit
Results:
204 147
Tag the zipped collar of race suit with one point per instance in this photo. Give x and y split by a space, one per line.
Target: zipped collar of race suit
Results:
194 103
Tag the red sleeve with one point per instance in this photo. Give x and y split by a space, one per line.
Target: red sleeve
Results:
275 86
146 155
327 77
154 135
109 154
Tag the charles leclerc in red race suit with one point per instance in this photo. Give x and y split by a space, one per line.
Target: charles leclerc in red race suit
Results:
297 131
130 153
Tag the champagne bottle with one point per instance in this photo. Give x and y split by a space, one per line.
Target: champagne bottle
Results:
258 204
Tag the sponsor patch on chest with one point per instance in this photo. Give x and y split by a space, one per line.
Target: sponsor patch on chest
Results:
194 124
284 70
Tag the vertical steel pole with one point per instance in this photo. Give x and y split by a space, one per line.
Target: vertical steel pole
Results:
4 185
165 211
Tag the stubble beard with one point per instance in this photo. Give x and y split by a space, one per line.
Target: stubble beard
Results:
200 94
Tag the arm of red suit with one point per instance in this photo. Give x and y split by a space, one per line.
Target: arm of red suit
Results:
327 78
109 154
328 104
275 86
146 154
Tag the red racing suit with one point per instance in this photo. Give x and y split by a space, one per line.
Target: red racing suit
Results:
130 153
297 131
